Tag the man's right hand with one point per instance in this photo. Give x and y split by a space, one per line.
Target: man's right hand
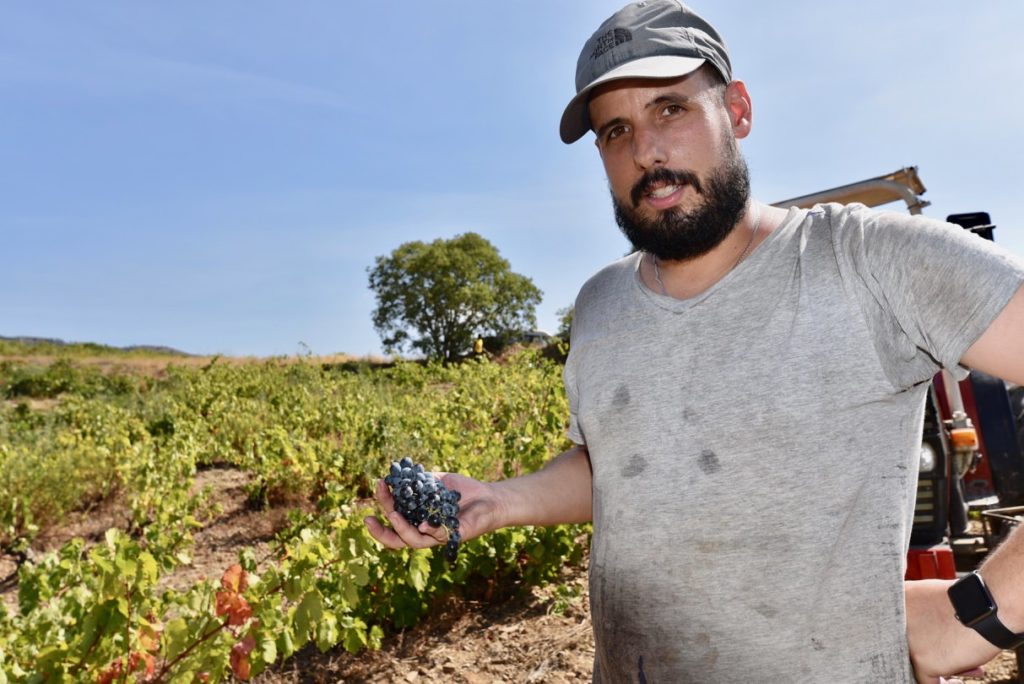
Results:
939 645
560 492
479 510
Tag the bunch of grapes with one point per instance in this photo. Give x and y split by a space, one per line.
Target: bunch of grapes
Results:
420 496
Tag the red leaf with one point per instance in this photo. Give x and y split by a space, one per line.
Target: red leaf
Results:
223 601
235 579
234 606
246 645
111 673
150 665
240 657
240 611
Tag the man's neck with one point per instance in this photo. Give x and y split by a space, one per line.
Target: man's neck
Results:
686 278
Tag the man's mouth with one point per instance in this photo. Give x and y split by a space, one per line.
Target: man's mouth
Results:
662 188
663 191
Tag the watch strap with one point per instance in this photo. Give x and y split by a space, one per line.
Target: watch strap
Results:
996 632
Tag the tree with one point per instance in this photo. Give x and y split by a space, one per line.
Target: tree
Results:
438 297
565 322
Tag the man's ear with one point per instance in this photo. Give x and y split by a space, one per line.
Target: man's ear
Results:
741 112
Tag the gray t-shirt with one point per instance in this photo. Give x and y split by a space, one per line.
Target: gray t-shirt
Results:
755 448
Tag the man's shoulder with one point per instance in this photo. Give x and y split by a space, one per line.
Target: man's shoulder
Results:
856 215
857 229
611 280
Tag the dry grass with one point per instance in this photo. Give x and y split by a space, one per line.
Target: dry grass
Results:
156 366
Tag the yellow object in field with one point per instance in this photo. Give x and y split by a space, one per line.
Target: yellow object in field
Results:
478 346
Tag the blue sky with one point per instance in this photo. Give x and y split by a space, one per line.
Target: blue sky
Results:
217 177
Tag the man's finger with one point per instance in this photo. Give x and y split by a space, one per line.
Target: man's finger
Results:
976 672
409 534
438 533
384 497
382 533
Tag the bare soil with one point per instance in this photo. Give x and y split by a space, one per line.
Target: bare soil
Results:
535 635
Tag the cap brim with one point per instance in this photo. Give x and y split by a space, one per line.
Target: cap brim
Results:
576 119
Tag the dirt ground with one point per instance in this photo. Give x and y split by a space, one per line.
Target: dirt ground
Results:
537 635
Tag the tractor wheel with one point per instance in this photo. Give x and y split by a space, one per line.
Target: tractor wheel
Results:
1017 405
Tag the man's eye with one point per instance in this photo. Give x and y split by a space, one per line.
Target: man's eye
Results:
671 110
614 133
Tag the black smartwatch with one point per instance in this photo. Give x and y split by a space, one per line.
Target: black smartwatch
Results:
975 608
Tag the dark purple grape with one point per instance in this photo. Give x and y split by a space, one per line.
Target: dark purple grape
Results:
419 496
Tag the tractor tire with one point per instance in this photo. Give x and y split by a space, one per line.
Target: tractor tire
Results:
1017 406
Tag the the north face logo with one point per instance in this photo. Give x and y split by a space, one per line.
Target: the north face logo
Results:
609 40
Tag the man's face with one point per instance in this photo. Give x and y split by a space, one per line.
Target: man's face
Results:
678 182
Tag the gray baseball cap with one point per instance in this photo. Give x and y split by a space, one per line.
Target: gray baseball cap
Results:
646 39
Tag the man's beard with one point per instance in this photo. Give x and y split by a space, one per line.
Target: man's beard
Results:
685 234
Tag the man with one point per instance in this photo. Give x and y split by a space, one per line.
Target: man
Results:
746 394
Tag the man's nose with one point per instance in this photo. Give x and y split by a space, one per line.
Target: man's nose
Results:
649 149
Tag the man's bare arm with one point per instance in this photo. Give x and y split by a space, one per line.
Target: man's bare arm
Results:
1000 349
560 492
939 645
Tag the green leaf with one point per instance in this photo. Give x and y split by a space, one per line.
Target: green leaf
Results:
149 570
268 649
419 569
293 587
327 632
102 563
350 593
127 566
308 612
355 635
175 638
376 636
359 574
97 619
285 643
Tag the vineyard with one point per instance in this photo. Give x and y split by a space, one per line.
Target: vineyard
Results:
307 439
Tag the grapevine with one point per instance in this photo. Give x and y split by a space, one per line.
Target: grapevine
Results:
304 433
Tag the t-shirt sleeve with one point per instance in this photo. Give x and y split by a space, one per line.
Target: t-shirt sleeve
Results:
928 289
571 388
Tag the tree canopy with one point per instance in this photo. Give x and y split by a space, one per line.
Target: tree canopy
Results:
565 321
438 297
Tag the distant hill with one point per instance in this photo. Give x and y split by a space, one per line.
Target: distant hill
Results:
10 346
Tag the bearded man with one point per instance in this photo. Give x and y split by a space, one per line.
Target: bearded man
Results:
746 398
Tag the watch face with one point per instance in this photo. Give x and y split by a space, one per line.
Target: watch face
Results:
971 600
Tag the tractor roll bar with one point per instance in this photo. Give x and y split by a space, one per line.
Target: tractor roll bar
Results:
900 185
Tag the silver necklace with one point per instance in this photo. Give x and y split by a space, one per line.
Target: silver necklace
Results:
743 254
